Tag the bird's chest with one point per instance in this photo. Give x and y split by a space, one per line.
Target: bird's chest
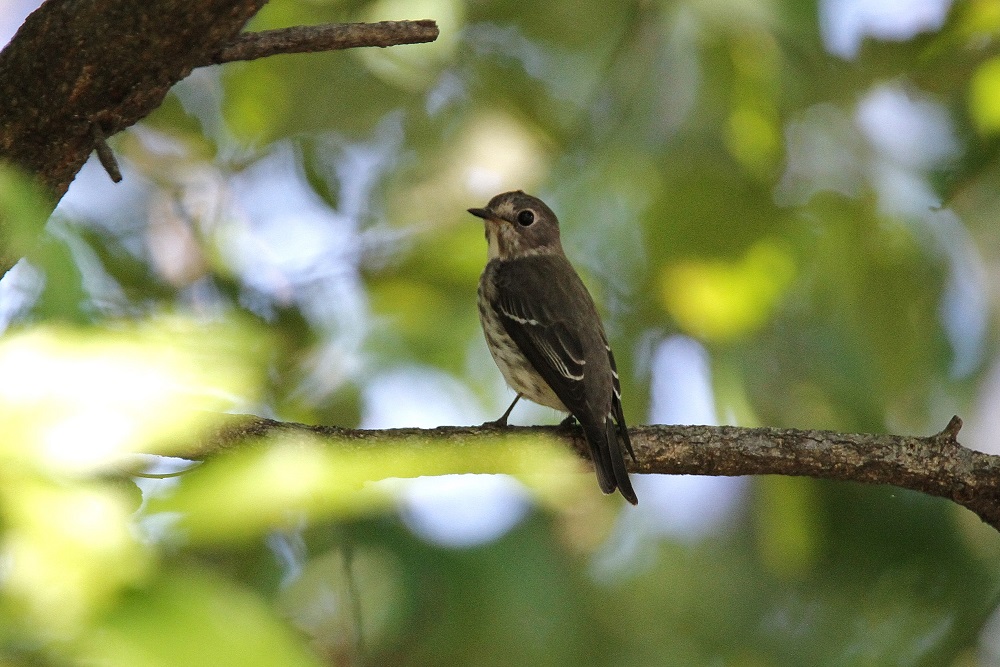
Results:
515 367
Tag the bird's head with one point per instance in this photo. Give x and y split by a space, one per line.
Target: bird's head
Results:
519 225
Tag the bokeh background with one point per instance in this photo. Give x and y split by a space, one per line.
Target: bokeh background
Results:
786 209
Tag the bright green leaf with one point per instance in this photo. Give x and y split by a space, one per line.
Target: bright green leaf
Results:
193 618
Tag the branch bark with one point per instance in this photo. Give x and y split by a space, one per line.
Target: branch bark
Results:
80 70
312 39
936 465
76 63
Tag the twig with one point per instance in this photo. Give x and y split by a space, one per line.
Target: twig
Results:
936 465
104 153
311 39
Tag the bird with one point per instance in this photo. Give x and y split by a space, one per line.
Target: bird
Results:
544 332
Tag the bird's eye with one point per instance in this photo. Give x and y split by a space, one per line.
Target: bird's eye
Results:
525 218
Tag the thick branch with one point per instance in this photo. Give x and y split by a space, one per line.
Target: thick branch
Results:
79 71
936 465
76 63
312 39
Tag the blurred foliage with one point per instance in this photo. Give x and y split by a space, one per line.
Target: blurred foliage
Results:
806 192
23 210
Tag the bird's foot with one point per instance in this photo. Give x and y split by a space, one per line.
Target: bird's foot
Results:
502 422
568 423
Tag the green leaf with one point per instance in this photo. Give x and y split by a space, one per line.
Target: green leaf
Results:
192 617
24 208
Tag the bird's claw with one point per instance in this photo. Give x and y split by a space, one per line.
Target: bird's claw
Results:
569 422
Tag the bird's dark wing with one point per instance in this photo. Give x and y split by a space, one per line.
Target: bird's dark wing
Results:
528 305
538 314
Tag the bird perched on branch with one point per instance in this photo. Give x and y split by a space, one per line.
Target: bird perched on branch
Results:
545 334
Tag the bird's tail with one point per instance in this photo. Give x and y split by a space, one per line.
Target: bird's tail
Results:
609 460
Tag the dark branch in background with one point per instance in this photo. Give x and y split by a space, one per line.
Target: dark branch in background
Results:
936 465
112 60
79 72
312 39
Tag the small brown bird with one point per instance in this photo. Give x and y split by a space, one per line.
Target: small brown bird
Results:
545 334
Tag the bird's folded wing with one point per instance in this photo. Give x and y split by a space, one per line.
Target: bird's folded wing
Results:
529 312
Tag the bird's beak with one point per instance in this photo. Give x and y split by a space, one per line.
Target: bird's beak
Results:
483 213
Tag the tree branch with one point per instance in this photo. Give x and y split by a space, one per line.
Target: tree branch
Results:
77 65
105 154
79 71
312 39
936 465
